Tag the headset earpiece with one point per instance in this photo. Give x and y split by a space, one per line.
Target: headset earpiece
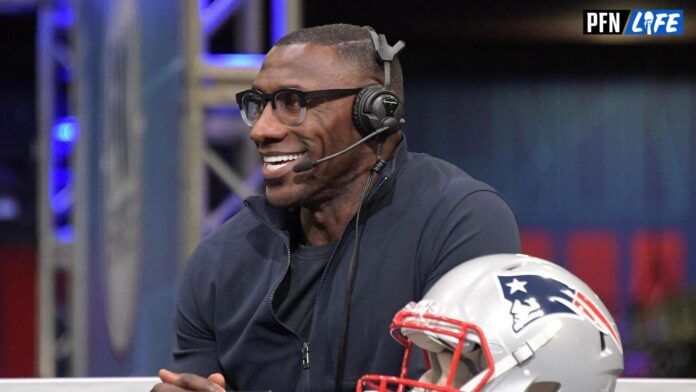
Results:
378 106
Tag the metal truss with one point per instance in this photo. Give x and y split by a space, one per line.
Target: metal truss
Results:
215 150
216 140
57 132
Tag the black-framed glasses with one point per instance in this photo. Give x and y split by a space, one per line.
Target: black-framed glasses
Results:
289 104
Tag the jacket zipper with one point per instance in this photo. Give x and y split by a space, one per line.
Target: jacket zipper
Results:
275 287
381 182
315 307
304 351
305 355
304 348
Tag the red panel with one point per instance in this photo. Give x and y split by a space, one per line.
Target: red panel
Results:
593 255
537 242
658 260
17 311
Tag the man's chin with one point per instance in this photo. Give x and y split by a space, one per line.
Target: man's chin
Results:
280 199
282 203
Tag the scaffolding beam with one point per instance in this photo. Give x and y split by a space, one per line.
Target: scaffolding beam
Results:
212 81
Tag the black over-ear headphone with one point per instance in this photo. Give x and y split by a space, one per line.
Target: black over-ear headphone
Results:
378 106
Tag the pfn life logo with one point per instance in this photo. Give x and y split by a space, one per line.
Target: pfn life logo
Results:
633 22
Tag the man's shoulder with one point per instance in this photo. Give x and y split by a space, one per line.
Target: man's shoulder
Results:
431 175
228 239
237 225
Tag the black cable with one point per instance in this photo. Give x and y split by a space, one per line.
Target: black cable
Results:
352 267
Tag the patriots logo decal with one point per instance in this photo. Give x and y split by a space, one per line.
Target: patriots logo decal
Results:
532 297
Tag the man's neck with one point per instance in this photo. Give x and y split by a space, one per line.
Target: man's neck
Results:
325 223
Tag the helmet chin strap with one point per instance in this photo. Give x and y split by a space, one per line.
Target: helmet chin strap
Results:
518 356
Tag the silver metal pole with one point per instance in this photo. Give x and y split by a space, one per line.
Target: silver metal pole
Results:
233 181
79 267
214 15
46 268
192 135
250 30
294 15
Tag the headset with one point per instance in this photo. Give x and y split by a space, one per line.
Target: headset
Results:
377 112
378 106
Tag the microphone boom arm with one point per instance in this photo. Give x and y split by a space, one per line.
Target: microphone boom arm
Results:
304 166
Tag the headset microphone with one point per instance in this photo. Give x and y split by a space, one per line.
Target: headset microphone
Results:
304 166
377 110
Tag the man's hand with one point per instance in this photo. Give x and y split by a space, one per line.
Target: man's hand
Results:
179 382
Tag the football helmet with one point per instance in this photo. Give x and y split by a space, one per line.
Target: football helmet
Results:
507 322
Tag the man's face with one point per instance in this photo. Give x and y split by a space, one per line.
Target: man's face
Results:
326 129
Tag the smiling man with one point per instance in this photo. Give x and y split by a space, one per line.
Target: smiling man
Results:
285 137
294 293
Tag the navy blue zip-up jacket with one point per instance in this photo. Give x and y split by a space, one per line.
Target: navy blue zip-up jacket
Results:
424 217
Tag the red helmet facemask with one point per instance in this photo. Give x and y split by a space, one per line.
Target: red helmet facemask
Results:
433 325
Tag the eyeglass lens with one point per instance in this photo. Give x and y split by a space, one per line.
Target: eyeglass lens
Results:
287 107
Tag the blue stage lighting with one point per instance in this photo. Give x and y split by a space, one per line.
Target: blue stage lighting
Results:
65 234
236 60
63 16
65 130
279 26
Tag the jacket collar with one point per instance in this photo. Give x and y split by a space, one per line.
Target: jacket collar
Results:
284 219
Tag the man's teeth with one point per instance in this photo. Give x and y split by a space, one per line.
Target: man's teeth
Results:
277 159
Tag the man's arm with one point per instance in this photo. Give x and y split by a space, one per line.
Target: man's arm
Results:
195 348
194 353
480 223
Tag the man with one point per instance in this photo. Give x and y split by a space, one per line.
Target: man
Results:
282 297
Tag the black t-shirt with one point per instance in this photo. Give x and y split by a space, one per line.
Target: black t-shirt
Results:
294 298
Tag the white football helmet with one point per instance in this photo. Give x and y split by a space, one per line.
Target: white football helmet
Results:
507 323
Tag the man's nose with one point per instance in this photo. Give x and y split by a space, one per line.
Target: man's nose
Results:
268 128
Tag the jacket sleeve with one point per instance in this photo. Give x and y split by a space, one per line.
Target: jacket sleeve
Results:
479 223
195 347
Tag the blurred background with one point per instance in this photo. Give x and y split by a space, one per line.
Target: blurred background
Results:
120 146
